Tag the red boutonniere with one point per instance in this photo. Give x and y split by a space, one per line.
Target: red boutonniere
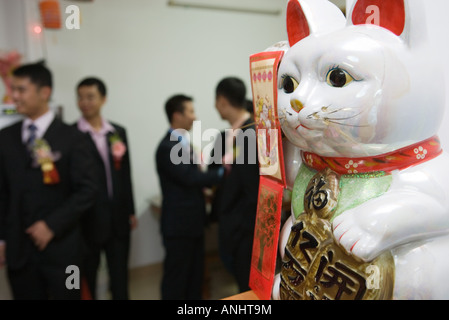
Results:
118 150
45 158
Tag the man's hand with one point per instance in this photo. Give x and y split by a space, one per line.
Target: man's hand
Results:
41 234
2 254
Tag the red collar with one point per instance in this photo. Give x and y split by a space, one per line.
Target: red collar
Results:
396 160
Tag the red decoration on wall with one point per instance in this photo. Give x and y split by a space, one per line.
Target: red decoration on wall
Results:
387 14
50 14
8 62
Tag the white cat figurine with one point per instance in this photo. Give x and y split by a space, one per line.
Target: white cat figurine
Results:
363 96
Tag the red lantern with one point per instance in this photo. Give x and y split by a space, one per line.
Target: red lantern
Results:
50 14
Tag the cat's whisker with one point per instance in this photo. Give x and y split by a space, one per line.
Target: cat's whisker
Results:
253 123
325 110
341 119
327 120
282 117
315 116
348 137
345 124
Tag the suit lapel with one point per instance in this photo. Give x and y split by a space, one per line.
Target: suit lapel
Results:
111 160
114 172
21 147
94 147
52 131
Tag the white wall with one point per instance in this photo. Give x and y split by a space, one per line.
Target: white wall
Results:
437 22
11 18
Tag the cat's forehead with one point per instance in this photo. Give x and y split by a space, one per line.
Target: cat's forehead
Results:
355 43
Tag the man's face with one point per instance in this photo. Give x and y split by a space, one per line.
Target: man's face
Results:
221 104
29 99
90 101
186 119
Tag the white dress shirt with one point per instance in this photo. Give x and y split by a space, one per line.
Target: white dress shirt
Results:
42 123
100 139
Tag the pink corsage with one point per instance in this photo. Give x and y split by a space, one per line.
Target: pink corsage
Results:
118 150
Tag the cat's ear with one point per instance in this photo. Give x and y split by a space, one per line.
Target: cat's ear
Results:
297 25
394 15
305 17
387 14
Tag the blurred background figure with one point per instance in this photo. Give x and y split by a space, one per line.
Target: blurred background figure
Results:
183 216
107 225
46 184
235 200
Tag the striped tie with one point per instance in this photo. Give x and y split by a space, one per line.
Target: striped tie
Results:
32 137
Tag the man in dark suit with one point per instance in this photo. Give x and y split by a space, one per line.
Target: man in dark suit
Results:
235 200
183 204
46 184
106 227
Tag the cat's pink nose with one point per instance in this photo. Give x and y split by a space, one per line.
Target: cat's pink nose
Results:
296 105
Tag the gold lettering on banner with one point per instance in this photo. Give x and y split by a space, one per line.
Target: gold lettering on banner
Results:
315 267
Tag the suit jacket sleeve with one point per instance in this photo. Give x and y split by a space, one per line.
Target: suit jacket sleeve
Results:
218 151
239 193
248 171
127 175
3 195
83 187
187 175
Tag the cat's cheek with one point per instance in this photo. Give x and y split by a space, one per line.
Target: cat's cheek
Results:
293 121
313 136
295 138
331 133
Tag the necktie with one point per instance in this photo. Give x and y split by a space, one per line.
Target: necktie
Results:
32 129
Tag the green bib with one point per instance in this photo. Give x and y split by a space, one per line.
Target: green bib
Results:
355 189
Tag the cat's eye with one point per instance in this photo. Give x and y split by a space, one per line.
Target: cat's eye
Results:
289 84
338 78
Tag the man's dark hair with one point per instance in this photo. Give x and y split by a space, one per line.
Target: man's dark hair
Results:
234 90
38 74
176 104
92 81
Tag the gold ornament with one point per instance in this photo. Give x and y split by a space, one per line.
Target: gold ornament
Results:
315 267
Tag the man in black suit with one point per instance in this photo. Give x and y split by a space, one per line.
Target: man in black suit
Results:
106 227
46 184
235 199
183 204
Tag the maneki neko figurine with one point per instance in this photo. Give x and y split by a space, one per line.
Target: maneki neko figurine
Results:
363 98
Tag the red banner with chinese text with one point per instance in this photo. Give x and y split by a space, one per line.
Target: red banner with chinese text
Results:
263 67
266 237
